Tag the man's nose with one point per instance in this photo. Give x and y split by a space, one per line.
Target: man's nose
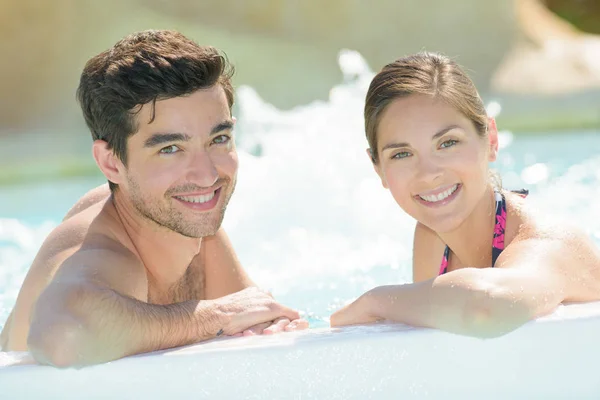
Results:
202 170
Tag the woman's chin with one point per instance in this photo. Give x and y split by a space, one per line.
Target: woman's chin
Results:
442 225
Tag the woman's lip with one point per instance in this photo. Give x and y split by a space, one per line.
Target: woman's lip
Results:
441 203
437 191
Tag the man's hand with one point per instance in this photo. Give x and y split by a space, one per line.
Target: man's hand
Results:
277 326
253 311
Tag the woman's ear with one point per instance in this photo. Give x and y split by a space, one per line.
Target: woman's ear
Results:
371 157
493 139
107 161
377 167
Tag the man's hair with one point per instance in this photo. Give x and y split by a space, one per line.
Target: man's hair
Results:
139 69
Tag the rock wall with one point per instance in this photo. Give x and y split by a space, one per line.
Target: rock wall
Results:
550 57
287 49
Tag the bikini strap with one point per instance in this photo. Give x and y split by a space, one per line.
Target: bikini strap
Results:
444 265
499 229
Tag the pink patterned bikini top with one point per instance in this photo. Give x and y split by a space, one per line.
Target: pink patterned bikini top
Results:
498 240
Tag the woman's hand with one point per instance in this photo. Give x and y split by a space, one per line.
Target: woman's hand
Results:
361 311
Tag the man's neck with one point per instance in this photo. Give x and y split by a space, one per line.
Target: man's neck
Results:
165 254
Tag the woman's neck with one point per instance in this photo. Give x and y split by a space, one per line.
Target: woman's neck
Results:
471 242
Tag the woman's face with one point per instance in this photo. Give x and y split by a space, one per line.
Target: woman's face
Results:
433 160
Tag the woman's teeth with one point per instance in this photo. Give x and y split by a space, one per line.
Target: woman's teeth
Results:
439 197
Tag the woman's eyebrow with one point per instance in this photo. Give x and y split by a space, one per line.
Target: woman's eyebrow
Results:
434 137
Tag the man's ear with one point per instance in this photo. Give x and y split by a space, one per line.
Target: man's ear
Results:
493 139
377 167
108 162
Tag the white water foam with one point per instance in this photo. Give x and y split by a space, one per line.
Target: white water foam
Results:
310 219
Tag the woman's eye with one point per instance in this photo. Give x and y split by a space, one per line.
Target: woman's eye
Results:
448 143
402 154
169 149
221 139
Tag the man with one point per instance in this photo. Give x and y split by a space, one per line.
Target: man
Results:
144 265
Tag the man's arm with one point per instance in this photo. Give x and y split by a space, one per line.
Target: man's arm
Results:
94 311
223 271
531 279
225 275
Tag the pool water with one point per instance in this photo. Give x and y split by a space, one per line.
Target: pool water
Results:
309 219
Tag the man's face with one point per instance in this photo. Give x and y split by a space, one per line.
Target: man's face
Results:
182 167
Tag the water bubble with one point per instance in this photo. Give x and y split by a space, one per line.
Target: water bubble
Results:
535 174
493 109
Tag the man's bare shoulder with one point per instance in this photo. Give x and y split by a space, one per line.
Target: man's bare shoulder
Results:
110 266
93 224
95 240
97 195
85 249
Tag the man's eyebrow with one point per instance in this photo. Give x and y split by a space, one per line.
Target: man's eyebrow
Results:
434 137
162 138
223 126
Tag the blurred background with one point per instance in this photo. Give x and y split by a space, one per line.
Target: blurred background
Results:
309 219
539 59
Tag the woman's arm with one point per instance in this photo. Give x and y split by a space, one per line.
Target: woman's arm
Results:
532 277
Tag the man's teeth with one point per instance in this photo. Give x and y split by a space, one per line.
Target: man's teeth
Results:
197 199
441 196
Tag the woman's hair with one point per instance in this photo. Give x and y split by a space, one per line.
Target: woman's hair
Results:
427 74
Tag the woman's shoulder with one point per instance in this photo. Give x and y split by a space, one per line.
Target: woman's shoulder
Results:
526 220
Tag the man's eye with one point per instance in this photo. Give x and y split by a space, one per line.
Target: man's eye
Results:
169 149
402 154
221 139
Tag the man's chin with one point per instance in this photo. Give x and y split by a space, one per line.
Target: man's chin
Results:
199 235
202 229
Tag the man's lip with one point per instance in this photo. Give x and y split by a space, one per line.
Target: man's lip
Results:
206 206
200 193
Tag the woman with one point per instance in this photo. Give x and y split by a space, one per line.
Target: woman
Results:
483 264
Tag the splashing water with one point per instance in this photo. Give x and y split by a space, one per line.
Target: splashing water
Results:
310 219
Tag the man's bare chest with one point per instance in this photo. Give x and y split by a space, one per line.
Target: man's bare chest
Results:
190 287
